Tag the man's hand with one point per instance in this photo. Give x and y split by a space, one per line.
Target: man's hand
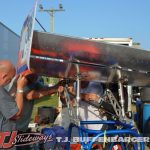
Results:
21 82
66 81
60 89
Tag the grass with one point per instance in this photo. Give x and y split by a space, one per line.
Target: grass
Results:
45 101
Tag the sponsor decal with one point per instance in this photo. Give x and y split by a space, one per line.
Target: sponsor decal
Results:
26 41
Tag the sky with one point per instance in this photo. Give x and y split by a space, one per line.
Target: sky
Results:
85 18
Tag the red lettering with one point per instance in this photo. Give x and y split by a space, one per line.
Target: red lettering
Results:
2 138
9 144
6 135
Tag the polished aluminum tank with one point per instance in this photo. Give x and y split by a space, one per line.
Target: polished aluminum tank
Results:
57 55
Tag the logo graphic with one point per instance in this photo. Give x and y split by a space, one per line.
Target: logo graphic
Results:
10 139
6 139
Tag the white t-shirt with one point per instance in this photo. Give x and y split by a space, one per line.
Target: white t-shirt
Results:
87 112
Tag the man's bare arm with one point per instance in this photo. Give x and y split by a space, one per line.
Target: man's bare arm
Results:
21 83
36 94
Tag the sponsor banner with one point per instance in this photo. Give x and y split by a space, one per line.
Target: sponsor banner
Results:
26 41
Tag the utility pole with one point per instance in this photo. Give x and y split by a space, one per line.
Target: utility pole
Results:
51 13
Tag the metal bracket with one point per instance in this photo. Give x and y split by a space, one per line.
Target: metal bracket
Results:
73 110
115 104
121 93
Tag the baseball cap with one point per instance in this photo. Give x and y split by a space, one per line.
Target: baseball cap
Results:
95 88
